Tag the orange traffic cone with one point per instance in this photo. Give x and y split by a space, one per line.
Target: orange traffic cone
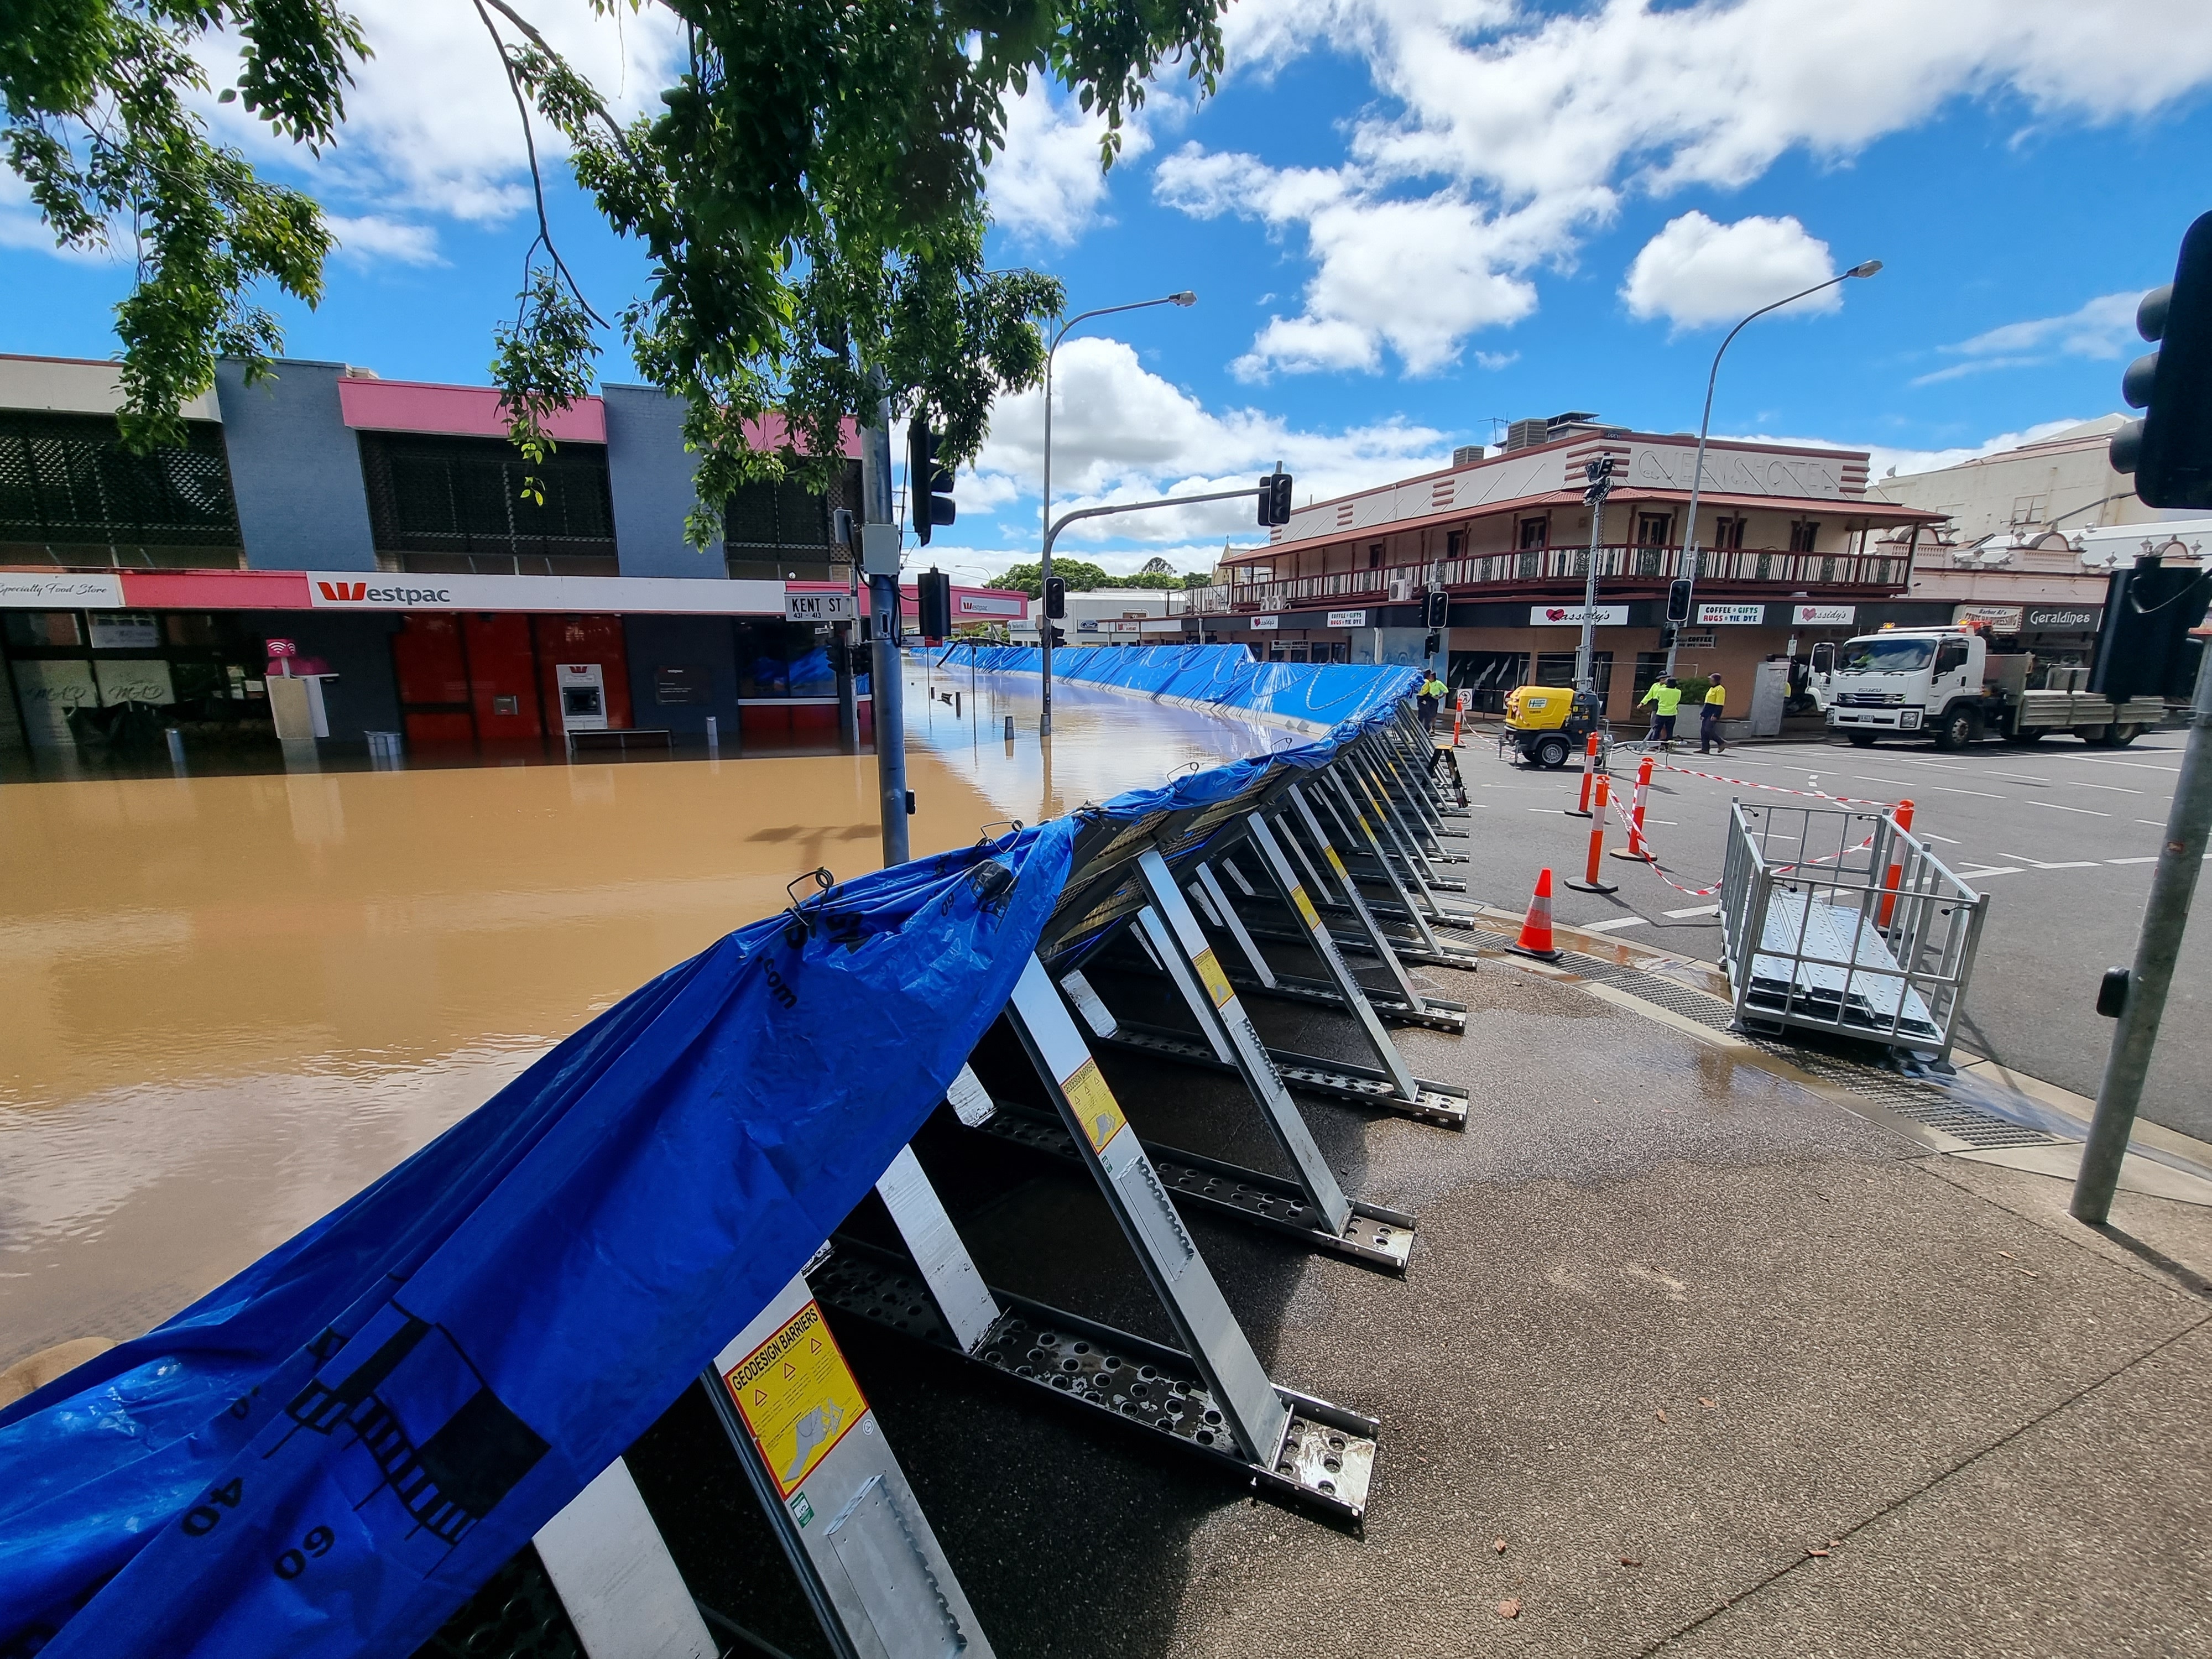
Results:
1535 938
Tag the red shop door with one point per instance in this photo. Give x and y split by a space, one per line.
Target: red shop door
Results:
502 675
597 639
430 663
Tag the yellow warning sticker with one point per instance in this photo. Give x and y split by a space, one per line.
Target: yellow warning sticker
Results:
1304 905
1216 983
1336 864
1362 818
797 1397
1096 1109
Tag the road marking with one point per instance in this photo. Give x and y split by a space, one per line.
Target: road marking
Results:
1947 789
2100 760
1610 926
1926 834
1894 783
2084 810
2152 859
2155 823
2039 864
1694 910
2114 787
1977 875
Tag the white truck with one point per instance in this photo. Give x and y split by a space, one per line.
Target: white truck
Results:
1946 683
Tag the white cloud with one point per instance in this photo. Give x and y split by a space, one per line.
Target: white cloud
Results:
1046 187
1529 126
431 127
2101 328
1696 273
1121 433
373 239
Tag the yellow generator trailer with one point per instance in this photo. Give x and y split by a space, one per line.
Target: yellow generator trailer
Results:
1549 725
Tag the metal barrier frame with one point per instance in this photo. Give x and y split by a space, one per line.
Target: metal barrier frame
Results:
1838 920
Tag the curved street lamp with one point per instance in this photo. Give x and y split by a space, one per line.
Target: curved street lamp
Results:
1185 297
1866 268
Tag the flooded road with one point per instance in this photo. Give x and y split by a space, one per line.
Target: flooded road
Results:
231 1002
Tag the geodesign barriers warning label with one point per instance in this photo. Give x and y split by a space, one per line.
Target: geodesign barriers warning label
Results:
1096 1109
797 1397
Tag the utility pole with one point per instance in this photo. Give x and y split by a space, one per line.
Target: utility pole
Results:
1599 474
2166 916
880 557
2149 615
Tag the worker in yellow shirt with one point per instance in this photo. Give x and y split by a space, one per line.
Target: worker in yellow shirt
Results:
1709 734
1665 698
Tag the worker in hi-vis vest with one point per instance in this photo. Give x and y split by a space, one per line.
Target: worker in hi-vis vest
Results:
1665 698
1429 699
1709 734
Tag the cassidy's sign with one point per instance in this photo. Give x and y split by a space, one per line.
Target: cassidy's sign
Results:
1572 616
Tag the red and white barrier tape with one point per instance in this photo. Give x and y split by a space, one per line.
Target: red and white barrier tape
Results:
1776 789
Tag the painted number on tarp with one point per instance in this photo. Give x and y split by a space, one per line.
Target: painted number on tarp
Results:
1096 1109
796 1396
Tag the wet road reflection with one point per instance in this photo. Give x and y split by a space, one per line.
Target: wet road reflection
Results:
233 1002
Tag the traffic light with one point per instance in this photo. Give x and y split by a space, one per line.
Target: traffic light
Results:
1274 499
1435 609
2143 647
1055 597
1599 473
933 591
1059 636
1678 602
928 485
2170 449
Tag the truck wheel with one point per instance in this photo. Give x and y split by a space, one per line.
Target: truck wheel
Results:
1552 752
1958 728
2033 734
2091 734
1861 739
2120 737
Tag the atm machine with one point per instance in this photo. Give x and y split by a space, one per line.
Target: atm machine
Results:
583 688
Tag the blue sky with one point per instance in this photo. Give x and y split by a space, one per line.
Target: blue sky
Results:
1405 220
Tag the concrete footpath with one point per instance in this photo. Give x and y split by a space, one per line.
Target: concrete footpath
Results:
1701 1352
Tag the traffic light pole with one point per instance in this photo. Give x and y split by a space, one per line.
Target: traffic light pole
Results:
2166 914
1051 535
886 688
1585 652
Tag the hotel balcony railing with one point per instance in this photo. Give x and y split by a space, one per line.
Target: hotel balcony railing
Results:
1735 567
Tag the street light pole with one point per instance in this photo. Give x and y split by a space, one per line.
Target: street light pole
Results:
1866 268
1044 570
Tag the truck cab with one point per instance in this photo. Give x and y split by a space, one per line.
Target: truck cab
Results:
1946 685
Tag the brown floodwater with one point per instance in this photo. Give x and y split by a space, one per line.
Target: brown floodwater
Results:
231 1002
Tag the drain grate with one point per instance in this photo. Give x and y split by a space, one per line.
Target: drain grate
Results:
1982 1130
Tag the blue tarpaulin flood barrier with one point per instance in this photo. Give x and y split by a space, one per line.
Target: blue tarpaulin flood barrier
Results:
328 1454
1315 697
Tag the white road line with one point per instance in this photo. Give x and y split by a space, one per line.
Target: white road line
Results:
2152 859
2155 823
1947 789
2056 807
1868 777
1977 875
2100 760
2042 864
1948 840
2116 789
1610 927
1694 910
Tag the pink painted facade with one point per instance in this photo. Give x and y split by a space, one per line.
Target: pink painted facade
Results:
464 411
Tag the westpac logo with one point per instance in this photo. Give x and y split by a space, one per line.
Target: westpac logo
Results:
363 593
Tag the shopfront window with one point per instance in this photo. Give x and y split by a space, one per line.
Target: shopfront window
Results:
785 659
